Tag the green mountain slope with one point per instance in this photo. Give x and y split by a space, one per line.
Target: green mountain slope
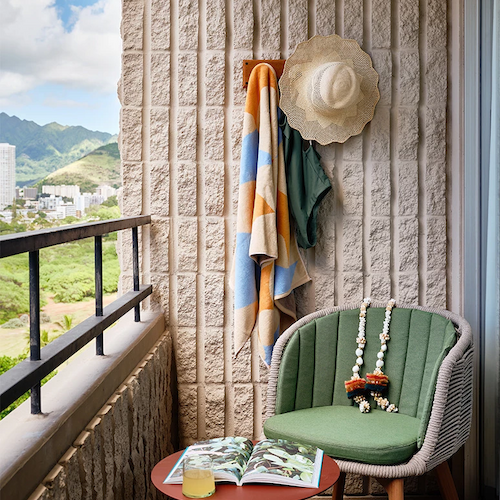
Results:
41 150
101 166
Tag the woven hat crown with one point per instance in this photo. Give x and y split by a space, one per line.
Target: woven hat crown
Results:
333 86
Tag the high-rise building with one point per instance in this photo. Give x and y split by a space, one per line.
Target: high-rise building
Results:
62 190
7 174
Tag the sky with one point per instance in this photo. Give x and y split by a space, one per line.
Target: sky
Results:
60 61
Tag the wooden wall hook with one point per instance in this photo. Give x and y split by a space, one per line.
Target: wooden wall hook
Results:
249 65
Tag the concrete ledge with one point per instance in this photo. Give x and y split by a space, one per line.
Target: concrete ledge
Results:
32 444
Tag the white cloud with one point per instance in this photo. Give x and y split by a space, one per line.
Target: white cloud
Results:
35 48
14 83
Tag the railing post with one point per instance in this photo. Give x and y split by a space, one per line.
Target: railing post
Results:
99 340
135 262
34 265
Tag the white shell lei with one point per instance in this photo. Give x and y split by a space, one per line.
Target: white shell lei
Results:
364 405
361 339
384 337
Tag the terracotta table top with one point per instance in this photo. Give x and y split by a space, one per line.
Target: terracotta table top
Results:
329 475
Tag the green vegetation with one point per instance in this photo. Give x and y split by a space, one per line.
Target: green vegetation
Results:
14 287
103 212
41 150
98 167
66 271
66 324
6 363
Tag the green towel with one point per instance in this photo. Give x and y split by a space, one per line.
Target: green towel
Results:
307 183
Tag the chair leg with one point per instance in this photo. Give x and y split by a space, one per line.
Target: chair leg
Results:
394 487
445 482
338 488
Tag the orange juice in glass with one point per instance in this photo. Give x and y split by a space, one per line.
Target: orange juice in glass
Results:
198 477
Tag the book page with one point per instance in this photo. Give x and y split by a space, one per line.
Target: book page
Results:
229 457
289 460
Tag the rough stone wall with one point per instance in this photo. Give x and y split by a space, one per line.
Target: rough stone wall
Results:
385 230
114 455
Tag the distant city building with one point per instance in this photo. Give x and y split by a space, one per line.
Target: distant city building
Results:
63 190
85 200
30 193
96 199
49 202
105 191
7 174
65 210
82 201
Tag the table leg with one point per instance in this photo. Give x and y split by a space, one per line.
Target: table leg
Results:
338 488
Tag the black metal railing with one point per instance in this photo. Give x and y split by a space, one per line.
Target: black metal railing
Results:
28 374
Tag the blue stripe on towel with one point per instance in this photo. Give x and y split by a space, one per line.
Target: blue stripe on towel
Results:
268 349
283 278
245 292
264 159
249 152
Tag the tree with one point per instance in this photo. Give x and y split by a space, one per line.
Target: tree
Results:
70 220
112 201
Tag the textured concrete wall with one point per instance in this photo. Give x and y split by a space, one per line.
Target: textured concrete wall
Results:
386 229
115 454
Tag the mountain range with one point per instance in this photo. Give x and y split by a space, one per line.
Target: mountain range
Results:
41 150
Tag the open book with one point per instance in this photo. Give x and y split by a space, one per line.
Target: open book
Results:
273 461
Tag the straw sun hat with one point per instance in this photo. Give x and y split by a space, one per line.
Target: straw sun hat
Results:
329 89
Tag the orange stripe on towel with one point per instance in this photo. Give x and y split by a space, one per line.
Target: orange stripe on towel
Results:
260 77
261 207
266 299
283 220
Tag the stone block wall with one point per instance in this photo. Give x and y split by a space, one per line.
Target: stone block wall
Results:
388 228
114 455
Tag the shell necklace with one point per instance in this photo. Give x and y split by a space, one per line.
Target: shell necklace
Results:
375 383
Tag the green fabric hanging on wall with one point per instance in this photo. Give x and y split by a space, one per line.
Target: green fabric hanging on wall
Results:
307 183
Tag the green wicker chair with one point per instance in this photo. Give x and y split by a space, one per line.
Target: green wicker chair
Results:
429 364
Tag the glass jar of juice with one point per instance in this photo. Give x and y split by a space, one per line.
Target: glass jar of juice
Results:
198 477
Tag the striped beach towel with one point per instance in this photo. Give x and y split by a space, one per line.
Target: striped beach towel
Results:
267 266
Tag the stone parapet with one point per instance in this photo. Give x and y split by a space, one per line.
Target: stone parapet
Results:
114 455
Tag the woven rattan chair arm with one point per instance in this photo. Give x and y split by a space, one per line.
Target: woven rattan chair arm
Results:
451 413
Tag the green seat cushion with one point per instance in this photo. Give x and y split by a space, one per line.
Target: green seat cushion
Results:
344 432
319 358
